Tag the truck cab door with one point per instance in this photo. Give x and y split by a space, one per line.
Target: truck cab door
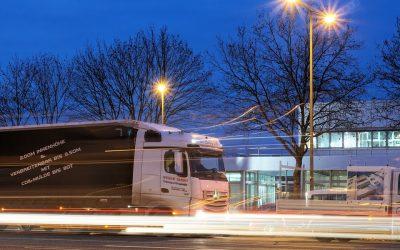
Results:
150 177
396 193
175 186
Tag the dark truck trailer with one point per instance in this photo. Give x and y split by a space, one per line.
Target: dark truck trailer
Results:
82 165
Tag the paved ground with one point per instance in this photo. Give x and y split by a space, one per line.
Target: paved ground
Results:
74 241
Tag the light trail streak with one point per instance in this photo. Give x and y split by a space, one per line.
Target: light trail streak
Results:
270 122
385 228
239 137
243 202
235 121
230 122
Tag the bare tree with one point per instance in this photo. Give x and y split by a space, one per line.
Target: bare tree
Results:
267 66
117 80
388 72
129 70
49 93
15 89
91 89
190 88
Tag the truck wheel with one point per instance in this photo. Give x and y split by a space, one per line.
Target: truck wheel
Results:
343 240
323 239
26 228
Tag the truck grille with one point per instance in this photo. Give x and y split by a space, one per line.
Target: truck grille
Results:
216 201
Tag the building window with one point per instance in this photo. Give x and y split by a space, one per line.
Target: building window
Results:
234 177
340 184
322 175
339 175
350 139
364 139
394 139
336 140
265 177
266 194
379 139
251 176
323 141
251 195
236 193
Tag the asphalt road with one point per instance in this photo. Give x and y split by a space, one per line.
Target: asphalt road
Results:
76 241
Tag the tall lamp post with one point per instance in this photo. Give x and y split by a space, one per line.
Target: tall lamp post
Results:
161 88
328 20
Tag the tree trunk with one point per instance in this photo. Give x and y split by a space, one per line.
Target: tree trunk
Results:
297 192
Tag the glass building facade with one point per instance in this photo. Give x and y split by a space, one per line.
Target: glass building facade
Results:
257 189
260 189
362 139
251 189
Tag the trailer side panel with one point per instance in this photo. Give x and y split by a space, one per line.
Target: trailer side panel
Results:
72 167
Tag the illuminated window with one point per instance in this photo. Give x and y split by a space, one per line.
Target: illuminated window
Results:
364 139
266 178
323 141
251 176
394 139
322 175
234 177
350 139
336 140
251 195
236 193
315 142
379 139
339 175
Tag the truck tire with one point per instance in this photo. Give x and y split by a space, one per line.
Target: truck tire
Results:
323 239
26 228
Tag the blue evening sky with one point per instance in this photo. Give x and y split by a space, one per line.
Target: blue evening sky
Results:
64 26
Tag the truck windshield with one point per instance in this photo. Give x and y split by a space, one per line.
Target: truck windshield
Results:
207 164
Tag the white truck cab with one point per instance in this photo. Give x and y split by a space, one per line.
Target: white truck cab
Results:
180 171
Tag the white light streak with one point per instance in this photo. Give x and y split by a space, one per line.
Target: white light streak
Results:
230 122
385 228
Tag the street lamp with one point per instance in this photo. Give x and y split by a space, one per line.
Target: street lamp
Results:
292 2
161 87
328 19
